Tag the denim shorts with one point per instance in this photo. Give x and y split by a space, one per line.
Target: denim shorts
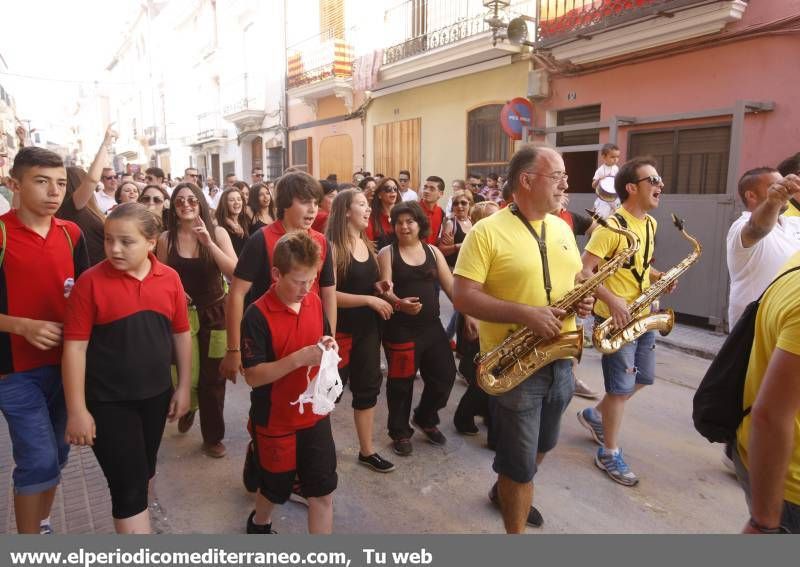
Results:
527 419
634 363
33 404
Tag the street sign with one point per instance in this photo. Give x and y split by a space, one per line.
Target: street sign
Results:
516 115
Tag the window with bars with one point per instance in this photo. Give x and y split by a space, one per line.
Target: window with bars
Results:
488 146
691 160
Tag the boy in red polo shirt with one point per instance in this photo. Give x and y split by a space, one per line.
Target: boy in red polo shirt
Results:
281 336
432 191
40 259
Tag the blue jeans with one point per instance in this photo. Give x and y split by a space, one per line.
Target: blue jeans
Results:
634 363
527 419
33 404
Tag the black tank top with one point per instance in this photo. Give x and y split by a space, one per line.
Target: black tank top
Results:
359 280
201 279
458 237
415 281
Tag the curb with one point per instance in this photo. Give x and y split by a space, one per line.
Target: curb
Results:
682 347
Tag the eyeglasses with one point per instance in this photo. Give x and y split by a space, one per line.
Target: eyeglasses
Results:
258 175
461 203
389 190
153 199
181 201
654 180
557 176
109 177
403 180
474 184
192 175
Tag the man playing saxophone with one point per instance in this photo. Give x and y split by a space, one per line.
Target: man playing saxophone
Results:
513 266
632 367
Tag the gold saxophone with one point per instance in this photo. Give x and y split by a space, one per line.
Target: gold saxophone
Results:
608 340
523 353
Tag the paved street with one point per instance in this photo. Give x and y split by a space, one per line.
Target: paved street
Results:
683 487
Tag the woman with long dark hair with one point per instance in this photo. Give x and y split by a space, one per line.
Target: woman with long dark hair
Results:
262 205
231 216
380 229
155 197
80 206
201 253
359 314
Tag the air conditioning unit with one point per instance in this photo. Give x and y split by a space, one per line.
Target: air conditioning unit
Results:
538 84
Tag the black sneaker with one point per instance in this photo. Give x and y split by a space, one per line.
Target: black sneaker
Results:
376 463
250 476
402 447
534 519
433 434
255 528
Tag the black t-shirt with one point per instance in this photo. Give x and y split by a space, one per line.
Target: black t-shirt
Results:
360 280
255 264
90 225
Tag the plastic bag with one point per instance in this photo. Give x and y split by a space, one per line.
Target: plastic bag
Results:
325 388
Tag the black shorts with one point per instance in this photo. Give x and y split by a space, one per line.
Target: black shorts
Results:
361 366
308 454
128 437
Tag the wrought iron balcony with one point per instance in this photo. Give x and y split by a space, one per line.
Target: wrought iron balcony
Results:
240 102
317 59
155 136
209 127
563 19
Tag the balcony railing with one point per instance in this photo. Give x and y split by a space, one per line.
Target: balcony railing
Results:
562 18
239 95
317 59
155 136
417 26
209 127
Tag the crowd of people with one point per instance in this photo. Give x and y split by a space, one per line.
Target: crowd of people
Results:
256 281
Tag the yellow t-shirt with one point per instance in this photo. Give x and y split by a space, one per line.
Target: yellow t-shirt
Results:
501 254
605 243
777 326
792 211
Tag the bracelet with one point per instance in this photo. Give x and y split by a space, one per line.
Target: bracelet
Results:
763 529
396 306
229 349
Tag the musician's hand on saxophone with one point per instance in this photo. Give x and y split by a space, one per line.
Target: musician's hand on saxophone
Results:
619 311
584 308
655 275
545 322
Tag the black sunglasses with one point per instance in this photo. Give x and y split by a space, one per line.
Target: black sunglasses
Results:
653 180
109 177
151 199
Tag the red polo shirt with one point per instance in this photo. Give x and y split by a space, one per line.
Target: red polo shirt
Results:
129 325
255 261
271 331
36 277
436 219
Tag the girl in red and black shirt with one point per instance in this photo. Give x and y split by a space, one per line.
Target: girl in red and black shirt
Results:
123 318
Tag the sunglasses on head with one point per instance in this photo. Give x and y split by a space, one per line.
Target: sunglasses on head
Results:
151 199
180 201
653 180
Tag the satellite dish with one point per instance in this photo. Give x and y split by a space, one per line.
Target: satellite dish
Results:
517 31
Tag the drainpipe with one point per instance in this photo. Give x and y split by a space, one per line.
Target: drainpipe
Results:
285 113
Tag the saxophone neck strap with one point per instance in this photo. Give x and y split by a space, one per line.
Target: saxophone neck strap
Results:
541 241
647 259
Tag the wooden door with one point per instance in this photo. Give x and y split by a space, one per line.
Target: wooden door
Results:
257 148
397 146
336 156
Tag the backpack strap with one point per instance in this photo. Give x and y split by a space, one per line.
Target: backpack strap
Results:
3 248
790 270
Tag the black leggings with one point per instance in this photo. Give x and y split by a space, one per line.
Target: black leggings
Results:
128 436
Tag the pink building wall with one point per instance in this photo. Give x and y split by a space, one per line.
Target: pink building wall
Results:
762 69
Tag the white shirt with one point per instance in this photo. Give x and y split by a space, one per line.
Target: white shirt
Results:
605 171
409 195
753 269
5 206
213 201
104 201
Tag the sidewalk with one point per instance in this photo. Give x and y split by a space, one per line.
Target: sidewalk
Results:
693 340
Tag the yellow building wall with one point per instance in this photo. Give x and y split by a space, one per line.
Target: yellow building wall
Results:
443 109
